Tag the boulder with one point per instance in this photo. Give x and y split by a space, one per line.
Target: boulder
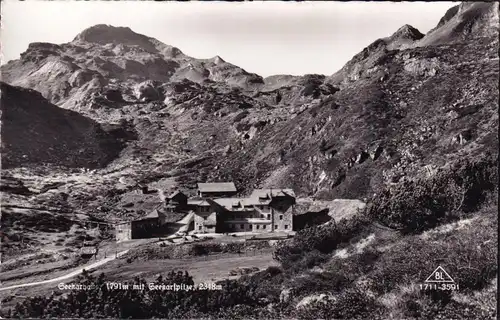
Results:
362 157
147 91
463 137
113 95
375 152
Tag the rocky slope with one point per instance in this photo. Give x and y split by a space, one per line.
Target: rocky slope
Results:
34 131
464 21
102 57
404 106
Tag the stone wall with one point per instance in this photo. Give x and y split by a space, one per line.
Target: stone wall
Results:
283 217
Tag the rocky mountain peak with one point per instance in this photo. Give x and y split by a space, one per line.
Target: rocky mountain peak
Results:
104 34
450 13
407 32
217 60
465 21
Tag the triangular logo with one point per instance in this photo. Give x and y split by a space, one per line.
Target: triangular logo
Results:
439 275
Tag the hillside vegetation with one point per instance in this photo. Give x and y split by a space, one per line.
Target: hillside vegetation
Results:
351 269
409 126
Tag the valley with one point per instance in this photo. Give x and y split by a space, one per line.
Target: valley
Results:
392 162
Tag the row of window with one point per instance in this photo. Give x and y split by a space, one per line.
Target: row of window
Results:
242 226
204 209
263 208
268 216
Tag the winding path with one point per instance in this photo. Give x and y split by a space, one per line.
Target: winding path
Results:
69 275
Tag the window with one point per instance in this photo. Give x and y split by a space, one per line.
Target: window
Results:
264 226
199 227
257 226
269 216
281 217
262 215
286 226
250 227
242 226
275 226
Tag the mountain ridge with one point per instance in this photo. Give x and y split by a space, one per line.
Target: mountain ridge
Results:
409 126
347 134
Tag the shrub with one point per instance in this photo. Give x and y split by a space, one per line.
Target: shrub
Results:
469 255
418 205
333 281
308 245
452 310
103 302
352 303
356 265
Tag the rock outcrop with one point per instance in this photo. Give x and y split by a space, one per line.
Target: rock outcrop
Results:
399 105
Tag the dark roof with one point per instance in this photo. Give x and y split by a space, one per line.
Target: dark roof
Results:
176 193
232 204
267 193
217 187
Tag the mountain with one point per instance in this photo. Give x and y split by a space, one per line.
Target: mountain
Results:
374 54
401 108
469 20
104 56
465 21
409 126
36 132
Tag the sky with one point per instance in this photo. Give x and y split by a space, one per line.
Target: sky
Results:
266 38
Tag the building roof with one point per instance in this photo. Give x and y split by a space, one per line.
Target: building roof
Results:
203 203
271 192
167 217
176 193
152 214
217 187
233 204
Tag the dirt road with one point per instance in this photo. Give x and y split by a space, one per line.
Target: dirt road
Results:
69 275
